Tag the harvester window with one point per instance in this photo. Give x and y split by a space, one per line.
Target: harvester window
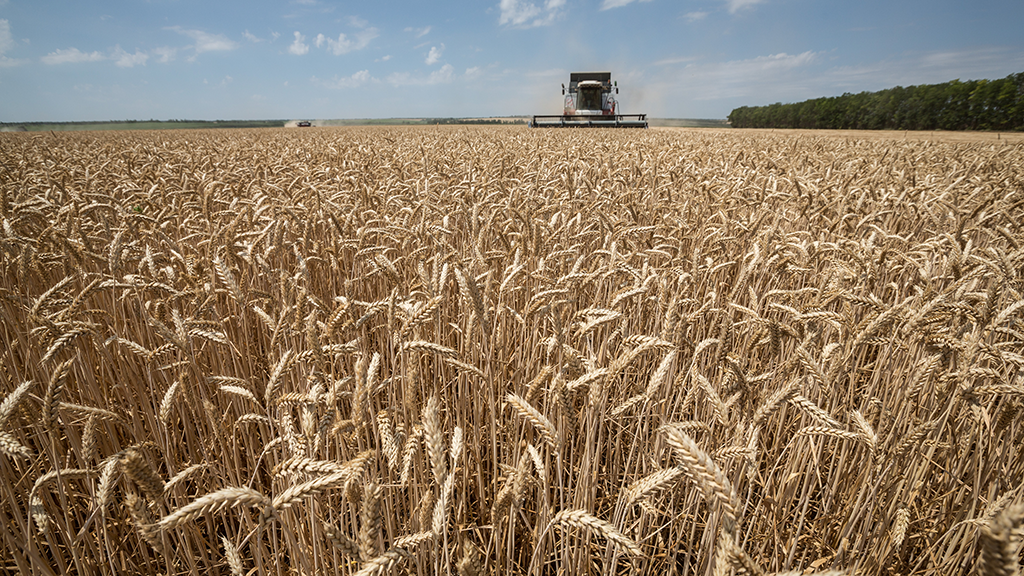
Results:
590 99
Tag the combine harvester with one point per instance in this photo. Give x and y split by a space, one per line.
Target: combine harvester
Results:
590 103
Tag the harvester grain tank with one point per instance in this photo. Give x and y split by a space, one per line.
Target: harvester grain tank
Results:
590 103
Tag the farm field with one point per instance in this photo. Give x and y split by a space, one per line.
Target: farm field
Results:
137 125
491 350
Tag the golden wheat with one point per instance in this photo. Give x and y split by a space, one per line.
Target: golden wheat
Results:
354 351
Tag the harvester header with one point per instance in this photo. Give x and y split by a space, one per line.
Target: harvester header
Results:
590 103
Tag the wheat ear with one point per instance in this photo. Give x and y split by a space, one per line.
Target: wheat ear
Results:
135 466
539 421
703 470
382 563
471 563
52 397
233 558
11 401
736 557
143 523
371 521
651 483
213 502
10 446
434 440
294 494
899 528
1000 543
341 541
586 521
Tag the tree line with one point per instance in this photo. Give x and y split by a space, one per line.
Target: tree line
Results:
954 105
474 121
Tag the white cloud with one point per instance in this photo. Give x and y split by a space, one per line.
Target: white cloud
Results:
419 32
442 75
516 13
434 55
679 60
781 61
525 14
618 3
474 72
6 43
397 79
695 16
165 54
737 5
206 42
361 77
299 46
354 81
345 44
384 58
71 56
6 38
251 37
125 60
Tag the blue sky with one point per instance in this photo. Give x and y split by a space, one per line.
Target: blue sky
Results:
185 59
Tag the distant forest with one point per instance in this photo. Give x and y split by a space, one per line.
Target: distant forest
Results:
955 105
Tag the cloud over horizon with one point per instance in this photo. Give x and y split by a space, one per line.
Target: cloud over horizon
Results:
609 4
434 55
299 46
345 44
71 56
525 14
6 43
125 60
354 81
6 38
205 42
735 6
443 75
419 32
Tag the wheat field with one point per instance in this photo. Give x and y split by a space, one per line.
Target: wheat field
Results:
500 351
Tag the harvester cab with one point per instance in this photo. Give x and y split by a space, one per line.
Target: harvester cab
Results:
590 103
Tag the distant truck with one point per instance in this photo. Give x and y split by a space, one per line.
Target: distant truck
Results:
304 124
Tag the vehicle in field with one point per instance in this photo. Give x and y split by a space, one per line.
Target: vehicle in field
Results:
304 124
590 103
